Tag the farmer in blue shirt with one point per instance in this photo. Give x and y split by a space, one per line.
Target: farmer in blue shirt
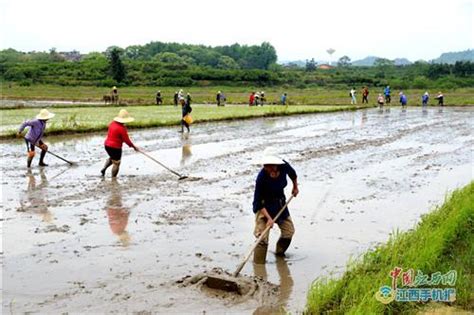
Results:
34 135
386 91
269 198
283 99
403 100
424 99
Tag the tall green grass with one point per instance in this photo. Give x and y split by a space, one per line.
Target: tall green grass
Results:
442 241
89 119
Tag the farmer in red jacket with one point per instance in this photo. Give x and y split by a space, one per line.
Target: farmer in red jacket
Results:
252 99
116 136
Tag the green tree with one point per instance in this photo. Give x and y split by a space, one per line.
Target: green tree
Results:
117 69
344 62
226 62
172 61
311 65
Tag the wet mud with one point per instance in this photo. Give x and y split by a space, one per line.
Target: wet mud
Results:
76 242
246 287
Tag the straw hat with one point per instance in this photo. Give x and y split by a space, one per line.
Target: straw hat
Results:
270 157
124 117
114 88
44 114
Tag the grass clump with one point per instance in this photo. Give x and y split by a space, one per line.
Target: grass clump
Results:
442 241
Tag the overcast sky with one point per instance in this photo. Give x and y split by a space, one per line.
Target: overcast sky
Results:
298 29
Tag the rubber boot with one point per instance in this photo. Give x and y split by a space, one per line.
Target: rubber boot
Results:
28 161
282 245
108 162
41 161
115 168
260 254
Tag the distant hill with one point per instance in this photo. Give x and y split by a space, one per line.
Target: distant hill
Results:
366 62
370 60
452 57
449 57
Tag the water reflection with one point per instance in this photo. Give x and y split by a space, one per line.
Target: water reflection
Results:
34 199
286 286
117 213
364 118
424 111
185 154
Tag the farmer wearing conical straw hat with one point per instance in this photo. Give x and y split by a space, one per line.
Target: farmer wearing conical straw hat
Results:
269 198
35 134
116 136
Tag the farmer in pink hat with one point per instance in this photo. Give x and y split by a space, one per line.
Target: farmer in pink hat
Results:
269 198
34 136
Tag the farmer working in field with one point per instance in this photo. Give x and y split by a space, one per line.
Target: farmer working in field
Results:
175 98
440 98
185 117
269 198
188 99
159 100
116 136
352 95
403 100
283 99
380 101
115 96
252 99
218 98
387 92
34 136
424 99
365 95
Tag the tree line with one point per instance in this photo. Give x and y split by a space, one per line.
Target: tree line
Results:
171 64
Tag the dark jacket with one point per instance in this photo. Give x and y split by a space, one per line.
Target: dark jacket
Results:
269 192
187 109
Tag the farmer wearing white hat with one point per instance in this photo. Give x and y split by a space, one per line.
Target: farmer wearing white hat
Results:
116 136
218 98
35 134
424 99
114 95
269 198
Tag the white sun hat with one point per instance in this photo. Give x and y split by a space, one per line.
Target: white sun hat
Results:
124 117
270 157
44 114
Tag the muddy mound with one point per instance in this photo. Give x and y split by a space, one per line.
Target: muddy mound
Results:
247 287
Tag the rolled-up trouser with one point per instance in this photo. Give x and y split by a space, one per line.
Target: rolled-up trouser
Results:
30 148
287 230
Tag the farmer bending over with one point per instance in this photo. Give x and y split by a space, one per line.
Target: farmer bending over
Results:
34 135
186 109
269 198
116 136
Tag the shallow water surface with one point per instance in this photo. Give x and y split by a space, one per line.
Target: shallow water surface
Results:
75 242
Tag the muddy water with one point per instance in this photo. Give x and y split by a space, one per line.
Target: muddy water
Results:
75 242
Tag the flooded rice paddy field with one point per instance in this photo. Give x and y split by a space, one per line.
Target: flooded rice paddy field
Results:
74 242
